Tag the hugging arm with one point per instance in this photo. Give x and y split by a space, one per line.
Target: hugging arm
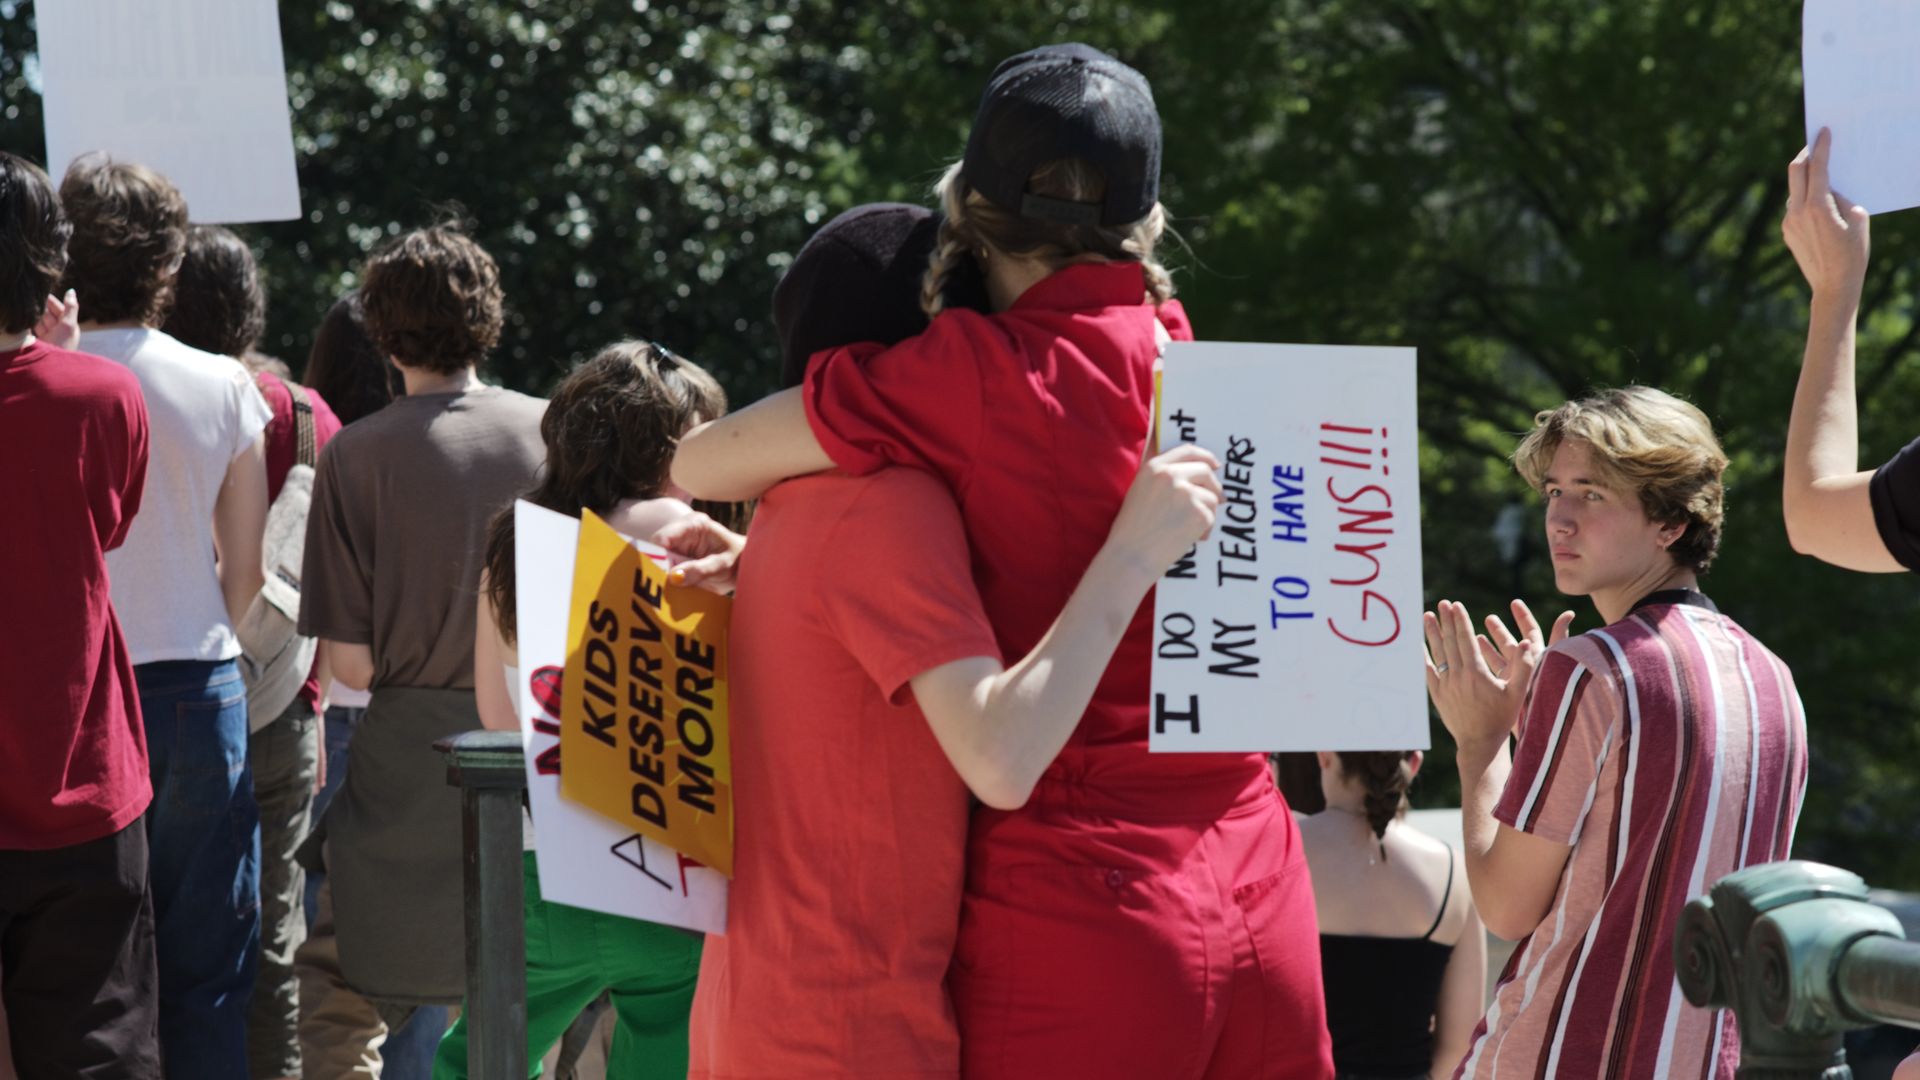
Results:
1001 726
742 454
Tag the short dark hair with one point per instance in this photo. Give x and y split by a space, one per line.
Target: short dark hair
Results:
219 304
129 225
859 279
33 243
432 299
345 367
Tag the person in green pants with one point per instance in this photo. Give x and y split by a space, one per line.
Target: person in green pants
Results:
610 431
573 955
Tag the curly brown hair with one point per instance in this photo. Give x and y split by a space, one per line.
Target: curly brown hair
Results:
611 429
33 243
219 305
129 232
432 300
1646 443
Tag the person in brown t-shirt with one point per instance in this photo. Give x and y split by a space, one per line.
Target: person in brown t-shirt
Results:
395 544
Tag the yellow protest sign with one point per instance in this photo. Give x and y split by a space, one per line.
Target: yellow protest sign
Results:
643 705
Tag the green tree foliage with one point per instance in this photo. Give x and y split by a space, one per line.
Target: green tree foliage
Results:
1547 197
1542 195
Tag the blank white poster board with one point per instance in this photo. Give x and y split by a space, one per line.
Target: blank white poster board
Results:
1861 64
194 89
585 859
1296 624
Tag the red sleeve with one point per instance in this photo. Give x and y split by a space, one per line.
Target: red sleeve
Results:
130 481
917 403
1567 729
901 595
1173 316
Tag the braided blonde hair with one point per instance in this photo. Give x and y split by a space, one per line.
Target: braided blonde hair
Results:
972 223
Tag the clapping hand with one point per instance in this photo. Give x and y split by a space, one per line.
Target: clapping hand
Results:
1478 682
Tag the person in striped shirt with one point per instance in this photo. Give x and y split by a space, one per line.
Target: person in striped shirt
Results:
1655 754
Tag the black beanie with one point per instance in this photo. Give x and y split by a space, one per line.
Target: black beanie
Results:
858 279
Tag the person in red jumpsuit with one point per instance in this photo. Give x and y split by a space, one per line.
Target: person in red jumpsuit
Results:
1140 915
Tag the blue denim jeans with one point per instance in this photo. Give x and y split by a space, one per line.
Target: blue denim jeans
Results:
203 836
341 720
408 1052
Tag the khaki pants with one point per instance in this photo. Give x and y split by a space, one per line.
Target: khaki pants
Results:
285 755
340 1031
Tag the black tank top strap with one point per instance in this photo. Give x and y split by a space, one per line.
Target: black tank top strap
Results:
1445 895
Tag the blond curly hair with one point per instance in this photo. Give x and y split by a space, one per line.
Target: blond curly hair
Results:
1649 444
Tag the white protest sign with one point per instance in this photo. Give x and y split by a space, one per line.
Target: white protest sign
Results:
1296 624
585 859
1861 65
193 89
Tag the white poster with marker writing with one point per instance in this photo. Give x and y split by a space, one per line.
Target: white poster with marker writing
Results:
586 860
193 89
1296 624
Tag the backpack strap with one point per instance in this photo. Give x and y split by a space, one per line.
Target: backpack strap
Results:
304 451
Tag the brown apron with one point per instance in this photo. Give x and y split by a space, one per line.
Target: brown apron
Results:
393 850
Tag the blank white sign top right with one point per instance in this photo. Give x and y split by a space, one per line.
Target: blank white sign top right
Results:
1861 61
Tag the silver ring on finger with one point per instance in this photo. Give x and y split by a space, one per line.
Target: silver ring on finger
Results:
1441 667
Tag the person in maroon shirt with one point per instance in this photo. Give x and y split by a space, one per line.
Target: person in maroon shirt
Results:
77 970
220 306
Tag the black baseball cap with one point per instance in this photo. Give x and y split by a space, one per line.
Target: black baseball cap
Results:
1066 101
858 279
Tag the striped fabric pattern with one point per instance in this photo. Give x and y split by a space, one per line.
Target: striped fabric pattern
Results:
1668 749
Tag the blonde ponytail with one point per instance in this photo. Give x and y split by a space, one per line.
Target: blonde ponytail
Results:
951 246
1142 239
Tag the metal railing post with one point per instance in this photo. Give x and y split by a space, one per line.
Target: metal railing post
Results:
489 767
1800 955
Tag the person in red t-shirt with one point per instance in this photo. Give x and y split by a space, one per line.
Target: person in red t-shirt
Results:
220 306
77 970
1131 914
